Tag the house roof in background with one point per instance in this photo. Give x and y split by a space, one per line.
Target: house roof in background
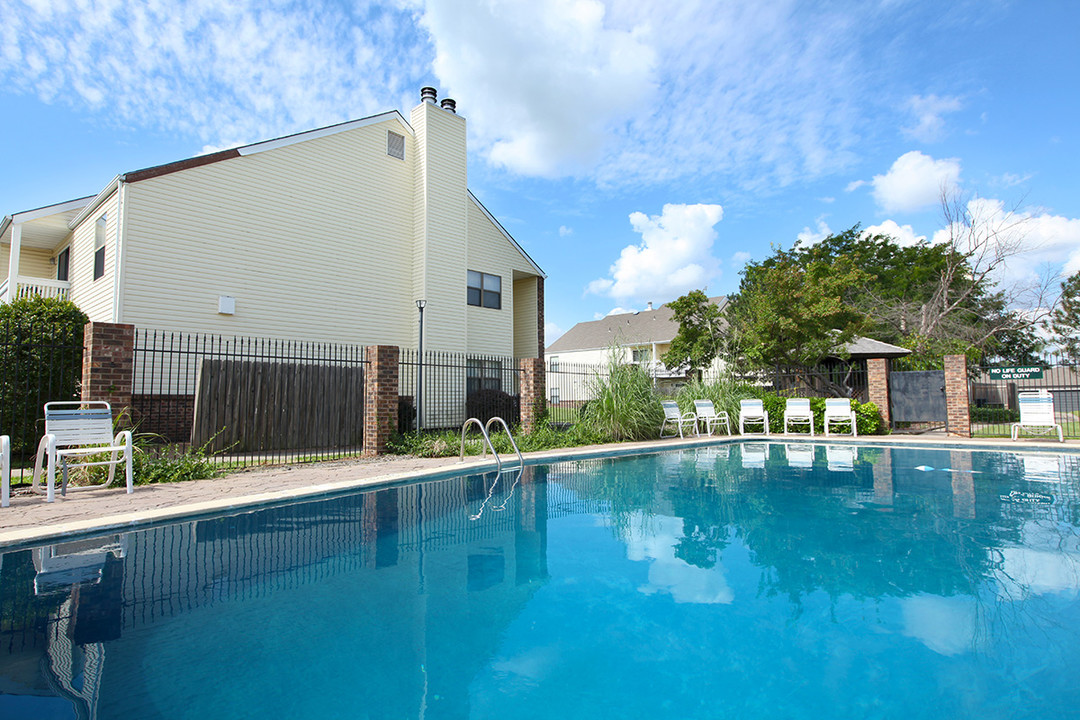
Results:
658 326
638 328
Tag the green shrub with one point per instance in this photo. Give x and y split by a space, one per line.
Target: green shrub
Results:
151 463
994 415
41 361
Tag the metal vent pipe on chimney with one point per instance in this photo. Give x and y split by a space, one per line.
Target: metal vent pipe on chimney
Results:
428 94
448 104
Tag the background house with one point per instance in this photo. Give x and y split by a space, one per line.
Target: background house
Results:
643 337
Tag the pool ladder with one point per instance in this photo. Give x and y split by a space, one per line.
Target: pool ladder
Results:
487 440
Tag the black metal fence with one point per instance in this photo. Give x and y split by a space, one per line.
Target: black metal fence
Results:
994 390
39 363
569 387
249 400
454 387
837 379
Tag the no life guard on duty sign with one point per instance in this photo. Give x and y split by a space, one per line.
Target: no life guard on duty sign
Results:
1030 372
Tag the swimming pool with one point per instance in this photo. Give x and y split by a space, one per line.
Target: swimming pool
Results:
745 580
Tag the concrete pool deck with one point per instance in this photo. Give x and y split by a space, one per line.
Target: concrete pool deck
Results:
30 519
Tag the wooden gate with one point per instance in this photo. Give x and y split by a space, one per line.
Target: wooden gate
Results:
245 406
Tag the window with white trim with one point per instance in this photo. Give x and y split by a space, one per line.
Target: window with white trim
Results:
484 290
63 264
99 246
395 145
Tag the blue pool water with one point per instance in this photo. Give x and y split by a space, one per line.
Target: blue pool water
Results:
751 581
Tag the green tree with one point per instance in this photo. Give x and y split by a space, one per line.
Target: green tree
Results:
701 332
794 315
1065 321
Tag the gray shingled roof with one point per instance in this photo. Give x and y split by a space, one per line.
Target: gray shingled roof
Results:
657 326
639 328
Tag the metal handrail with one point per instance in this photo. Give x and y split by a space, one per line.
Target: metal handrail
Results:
487 441
506 428
498 462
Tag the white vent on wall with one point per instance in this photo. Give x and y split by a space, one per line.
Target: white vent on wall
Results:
226 305
395 145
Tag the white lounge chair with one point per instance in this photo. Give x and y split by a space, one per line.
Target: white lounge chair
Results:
799 455
841 458
752 412
838 412
709 417
5 470
797 412
74 429
754 455
672 415
1036 415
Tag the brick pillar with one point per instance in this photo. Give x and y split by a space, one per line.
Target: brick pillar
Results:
877 380
957 402
380 397
533 393
108 370
540 316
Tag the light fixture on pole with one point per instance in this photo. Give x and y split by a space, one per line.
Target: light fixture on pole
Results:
420 305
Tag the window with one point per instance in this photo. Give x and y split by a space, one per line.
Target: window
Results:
482 375
63 262
640 355
485 290
395 145
99 247
553 364
554 396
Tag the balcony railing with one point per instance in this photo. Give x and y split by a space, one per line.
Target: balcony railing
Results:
32 286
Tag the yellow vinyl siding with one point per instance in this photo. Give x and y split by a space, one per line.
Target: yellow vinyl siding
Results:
526 333
312 239
37 263
493 331
441 230
95 297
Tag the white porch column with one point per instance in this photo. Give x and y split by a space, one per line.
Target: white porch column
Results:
13 261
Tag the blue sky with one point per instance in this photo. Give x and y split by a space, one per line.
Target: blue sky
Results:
636 149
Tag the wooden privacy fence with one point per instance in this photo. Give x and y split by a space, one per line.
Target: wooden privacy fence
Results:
244 406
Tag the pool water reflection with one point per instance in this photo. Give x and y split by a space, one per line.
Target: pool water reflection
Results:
750 580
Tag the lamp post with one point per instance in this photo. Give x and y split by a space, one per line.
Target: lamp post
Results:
420 304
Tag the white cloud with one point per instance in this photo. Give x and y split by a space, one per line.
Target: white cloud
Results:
654 541
946 625
855 185
740 258
1008 180
675 255
928 115
904 235
813 237
546 80
552 332
915 182
564 231
224 73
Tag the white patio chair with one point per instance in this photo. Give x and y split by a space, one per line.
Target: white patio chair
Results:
672 415
1036 415
5 470
838 412
710 417
841 458
752 412
74 429
799 455
797 412
754 455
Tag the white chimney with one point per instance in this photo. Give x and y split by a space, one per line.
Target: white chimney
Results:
650 305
